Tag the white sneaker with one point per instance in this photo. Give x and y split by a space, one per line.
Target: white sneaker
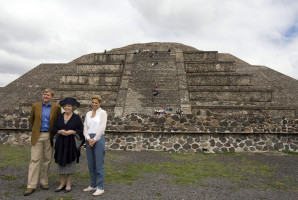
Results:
89 188
98 192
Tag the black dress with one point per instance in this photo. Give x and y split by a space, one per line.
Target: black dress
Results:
66 151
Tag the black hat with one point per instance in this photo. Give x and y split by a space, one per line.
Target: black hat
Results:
69 100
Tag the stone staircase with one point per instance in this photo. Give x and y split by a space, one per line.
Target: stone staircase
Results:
143 77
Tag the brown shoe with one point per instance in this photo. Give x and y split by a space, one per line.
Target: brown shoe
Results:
44 187
29 191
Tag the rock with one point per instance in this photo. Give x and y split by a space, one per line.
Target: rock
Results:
130 139
161 120
212 142
293 147
189 140
223 123
214 123
279 146
114 146
186 146
276 119
175 118
183 119
247 123
177 146
243 137
168 145
189 116
234 124
218 144
172 151
235 144
241 145
232 149
248 143
258 147
192 129
222 139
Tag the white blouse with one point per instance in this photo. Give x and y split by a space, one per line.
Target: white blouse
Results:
95 125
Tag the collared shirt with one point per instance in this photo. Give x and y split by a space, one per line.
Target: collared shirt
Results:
45 117
96 125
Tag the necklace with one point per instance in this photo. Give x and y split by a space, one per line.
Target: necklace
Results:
67 117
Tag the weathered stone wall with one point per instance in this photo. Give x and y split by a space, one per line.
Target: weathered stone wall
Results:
185 134
206 122
195 143
179 142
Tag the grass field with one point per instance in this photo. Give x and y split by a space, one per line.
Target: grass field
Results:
180 169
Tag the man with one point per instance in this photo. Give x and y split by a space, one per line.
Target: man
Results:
42 118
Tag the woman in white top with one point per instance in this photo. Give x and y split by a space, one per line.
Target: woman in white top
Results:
94 127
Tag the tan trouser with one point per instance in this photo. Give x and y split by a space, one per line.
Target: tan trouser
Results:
42 148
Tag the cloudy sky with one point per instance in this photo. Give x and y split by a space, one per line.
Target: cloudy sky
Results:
260 32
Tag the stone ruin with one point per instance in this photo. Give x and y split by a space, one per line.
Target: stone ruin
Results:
228 105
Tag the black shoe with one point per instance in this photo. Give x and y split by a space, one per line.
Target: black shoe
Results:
59 190
45 187
29 191
66 190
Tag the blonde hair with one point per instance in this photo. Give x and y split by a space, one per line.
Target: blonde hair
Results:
49 90
98 98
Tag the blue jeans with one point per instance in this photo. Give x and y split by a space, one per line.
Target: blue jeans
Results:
95 158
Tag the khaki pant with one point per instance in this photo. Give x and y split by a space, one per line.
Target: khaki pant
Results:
42 148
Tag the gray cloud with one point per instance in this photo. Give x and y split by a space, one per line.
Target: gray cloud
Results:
257 31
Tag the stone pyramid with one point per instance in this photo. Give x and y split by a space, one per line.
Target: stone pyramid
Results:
187 79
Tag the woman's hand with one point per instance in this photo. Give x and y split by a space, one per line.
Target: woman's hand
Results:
91 142
66 133
61 132
70 132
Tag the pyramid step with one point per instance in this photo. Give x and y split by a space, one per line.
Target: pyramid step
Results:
202 67
152 101
247 110
168 84
200 56
219 79
102 58
99 68
238 96
86 95
150 110
147 56
86 88
94 80
221 88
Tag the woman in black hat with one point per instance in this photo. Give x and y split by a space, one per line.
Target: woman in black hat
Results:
68 136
